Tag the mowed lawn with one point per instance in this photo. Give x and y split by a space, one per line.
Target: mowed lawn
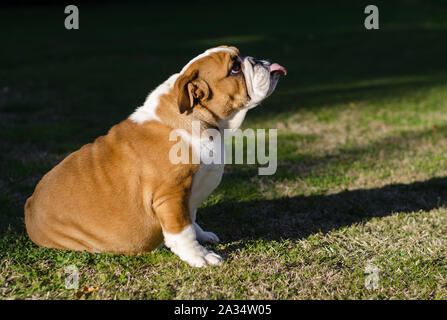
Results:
362 147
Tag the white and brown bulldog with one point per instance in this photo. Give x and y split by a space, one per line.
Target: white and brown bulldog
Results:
122 194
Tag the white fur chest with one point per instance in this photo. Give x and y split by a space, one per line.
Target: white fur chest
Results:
206 179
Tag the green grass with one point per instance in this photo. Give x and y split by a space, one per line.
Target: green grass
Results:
362 140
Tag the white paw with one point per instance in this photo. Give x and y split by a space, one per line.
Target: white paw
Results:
200 260
206 236
185 245
213 259
197 261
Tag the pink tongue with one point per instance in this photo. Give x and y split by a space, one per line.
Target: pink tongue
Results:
277 67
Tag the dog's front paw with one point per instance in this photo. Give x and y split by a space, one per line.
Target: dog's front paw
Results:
213 259
197 261
206 236
200 260
186 246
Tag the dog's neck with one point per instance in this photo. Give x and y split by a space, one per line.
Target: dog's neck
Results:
234 121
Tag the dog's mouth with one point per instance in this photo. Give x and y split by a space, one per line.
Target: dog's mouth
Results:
276 68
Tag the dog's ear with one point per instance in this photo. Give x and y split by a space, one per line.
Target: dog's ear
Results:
191 90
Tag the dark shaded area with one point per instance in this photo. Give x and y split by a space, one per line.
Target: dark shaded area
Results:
298 217
18 3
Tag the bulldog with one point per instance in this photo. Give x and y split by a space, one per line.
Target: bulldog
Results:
122 194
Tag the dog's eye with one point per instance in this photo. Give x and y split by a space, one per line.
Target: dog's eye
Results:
236 68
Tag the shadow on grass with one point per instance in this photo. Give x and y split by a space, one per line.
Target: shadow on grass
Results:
298 217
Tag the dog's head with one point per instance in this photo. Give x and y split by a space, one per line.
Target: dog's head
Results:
225 82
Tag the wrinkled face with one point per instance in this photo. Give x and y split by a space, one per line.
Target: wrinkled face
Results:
224 82
261 78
